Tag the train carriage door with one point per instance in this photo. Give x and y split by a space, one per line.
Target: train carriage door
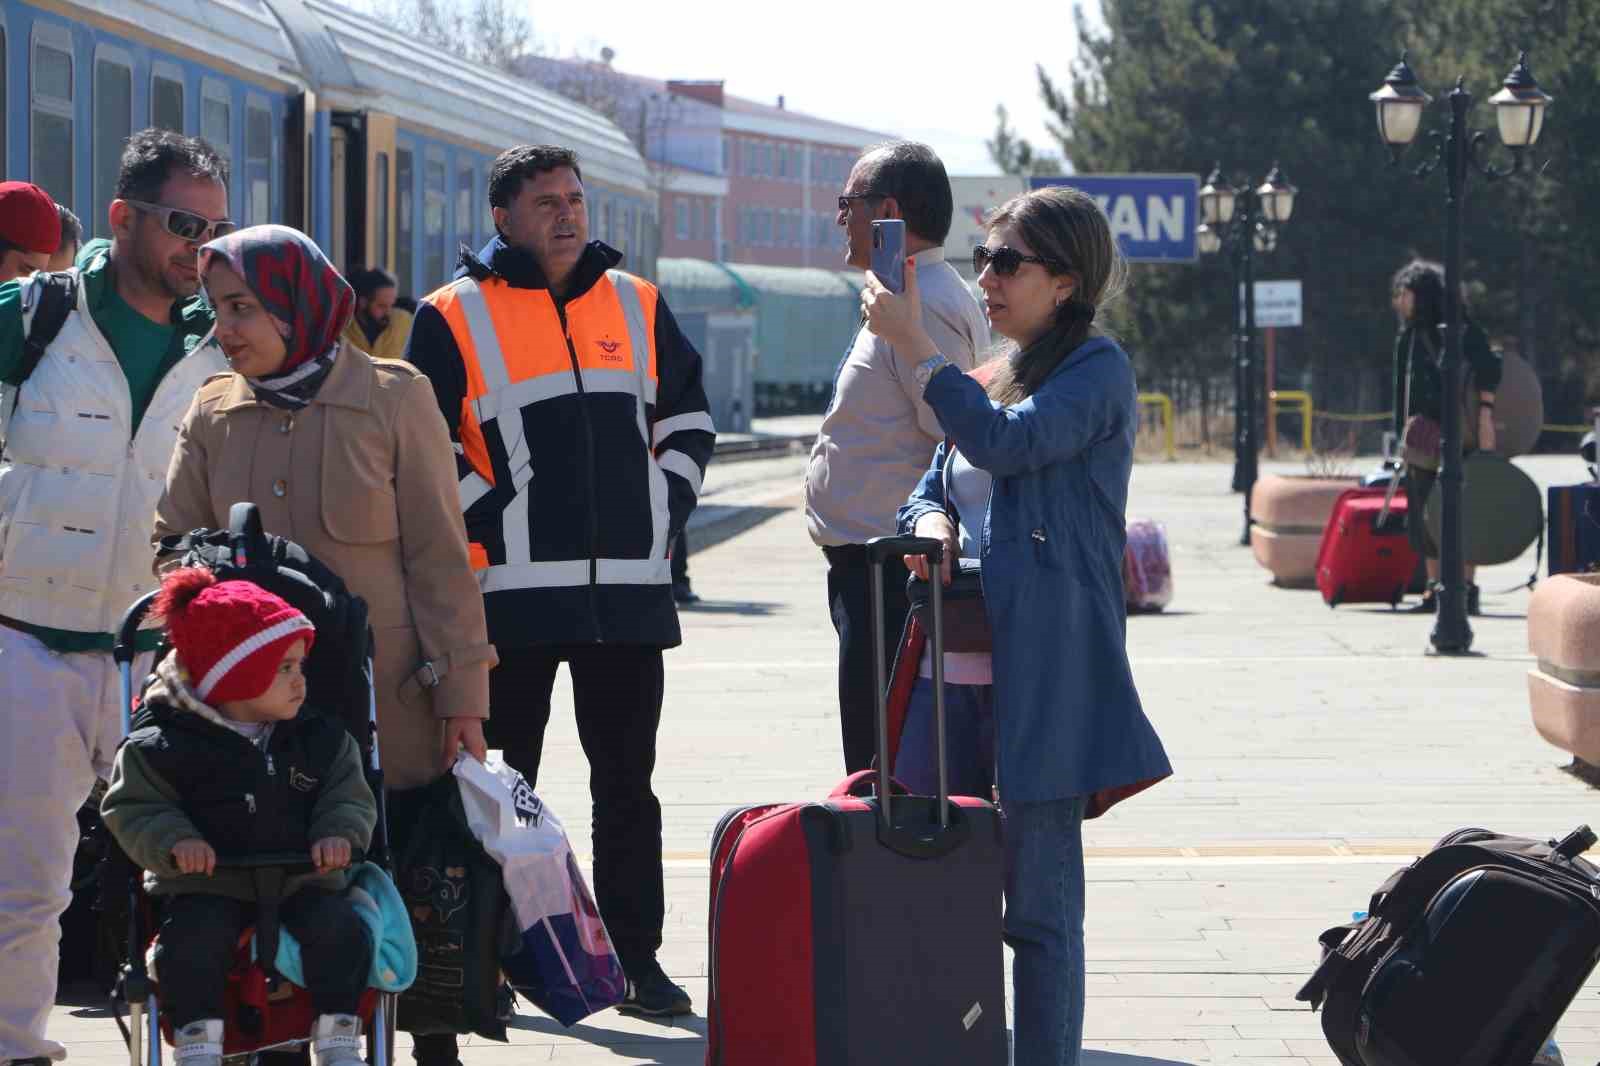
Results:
349 191
297 161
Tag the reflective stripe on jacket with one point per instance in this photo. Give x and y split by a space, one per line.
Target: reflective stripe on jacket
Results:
571 481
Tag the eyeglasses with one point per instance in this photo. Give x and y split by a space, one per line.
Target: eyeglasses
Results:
844 201
1006 261
186 224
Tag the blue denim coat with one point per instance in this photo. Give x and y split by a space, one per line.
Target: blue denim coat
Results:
1068 718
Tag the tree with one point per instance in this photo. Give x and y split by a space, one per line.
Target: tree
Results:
491 32
1173 85
1014 154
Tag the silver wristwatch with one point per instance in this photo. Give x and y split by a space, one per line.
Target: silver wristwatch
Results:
929 367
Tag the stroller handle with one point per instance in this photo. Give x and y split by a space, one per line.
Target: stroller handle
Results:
269 859
122 652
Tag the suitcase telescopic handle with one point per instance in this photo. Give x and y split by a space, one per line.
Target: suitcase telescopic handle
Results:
879 551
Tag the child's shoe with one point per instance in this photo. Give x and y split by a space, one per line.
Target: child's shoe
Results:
198 1044
336 1038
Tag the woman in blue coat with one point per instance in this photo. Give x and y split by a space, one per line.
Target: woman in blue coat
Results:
1032 481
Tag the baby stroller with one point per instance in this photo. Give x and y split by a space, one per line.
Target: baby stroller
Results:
263 1011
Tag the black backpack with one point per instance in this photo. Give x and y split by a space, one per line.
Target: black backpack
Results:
49 298
337 672
1467 957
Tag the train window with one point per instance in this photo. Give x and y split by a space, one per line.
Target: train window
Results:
113 124
257 162
465 184
403 227
433 209
166 97
52 150
380 217
216 117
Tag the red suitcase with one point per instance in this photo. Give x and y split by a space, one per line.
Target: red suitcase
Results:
1365 556
860 929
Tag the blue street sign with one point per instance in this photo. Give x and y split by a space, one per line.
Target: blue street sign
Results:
1153 216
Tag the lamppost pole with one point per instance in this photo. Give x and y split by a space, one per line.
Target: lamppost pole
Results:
1247 348
1452 633
1240 222
1519 109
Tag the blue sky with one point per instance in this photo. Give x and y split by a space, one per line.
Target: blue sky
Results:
934 76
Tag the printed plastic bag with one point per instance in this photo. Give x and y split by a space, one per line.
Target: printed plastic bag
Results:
1147 567
452 890
564 961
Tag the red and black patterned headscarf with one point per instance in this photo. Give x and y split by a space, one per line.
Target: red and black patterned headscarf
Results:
308 300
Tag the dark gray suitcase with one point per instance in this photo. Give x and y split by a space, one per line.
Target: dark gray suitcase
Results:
864 929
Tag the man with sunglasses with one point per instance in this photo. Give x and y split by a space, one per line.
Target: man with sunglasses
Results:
102 390
878 435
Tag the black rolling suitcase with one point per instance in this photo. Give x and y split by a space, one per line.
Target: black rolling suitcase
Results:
1467 957
864 929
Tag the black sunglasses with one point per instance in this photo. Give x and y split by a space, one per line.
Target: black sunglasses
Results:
1006 261
844 201
186 224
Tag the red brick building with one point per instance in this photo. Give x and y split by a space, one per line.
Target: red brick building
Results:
738 180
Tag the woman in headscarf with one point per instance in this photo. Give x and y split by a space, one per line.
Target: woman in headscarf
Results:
347 456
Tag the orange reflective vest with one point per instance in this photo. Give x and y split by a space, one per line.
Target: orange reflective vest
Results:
528 361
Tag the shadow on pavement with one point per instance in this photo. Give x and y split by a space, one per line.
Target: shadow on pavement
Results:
681 1047
1091 1057
749 608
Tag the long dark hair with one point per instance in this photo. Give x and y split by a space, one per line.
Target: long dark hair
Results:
1067 227
1424 279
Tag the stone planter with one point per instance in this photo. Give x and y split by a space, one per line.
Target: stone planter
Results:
1288 514
1564 686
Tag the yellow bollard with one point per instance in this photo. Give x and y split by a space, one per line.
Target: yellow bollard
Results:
1291 398
1163 401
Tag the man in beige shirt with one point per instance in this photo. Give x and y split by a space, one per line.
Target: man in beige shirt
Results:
878 436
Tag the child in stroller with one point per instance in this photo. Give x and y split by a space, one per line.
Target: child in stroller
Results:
222 762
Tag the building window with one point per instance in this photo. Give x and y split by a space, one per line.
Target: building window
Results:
465 184
166 100
699 220
433 209
258 161
404 187
380 213
216 117
681 215
113 123
747 152
51 148
727 156
783 160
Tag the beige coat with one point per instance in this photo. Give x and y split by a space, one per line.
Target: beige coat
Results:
364 479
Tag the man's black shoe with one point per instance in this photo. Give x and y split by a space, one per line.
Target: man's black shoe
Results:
652 994
683 594
505 1002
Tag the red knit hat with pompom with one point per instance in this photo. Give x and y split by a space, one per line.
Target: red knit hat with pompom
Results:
229 635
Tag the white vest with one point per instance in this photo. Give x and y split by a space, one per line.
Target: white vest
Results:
78 489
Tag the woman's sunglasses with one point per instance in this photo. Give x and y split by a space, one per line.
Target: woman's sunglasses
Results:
1006 261
186 224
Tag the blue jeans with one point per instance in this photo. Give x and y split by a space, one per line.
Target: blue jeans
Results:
1044 871
1044 926
969 740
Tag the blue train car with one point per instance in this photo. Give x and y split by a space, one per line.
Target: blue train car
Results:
374 144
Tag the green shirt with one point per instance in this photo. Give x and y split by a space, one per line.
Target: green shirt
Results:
146 350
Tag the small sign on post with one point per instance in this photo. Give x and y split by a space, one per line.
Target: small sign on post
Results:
1278 304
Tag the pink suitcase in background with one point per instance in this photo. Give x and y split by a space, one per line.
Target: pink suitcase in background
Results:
1146 567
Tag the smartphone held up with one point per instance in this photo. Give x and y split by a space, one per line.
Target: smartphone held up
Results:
889 253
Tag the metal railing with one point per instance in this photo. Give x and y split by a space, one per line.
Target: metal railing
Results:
1288 398
1164 402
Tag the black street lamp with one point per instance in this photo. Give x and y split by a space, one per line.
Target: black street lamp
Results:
1519 108
1243 221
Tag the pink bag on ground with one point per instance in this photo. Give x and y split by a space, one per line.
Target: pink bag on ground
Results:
1146 567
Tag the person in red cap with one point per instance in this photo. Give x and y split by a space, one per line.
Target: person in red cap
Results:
86 452
30 229
224 761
